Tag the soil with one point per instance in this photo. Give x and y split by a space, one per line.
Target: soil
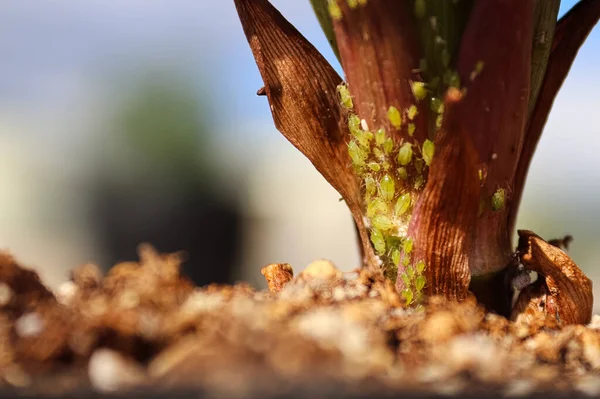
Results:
143 327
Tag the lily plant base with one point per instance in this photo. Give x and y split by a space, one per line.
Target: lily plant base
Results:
143 329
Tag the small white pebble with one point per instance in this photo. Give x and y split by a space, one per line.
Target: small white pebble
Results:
148 325
66 292
322 269
15 376
110 371
595 323
339 294
479 353
398 312
202 302
351 276
519 388
589 385
129 300
29 325
329 328
450 387
6 294
433 373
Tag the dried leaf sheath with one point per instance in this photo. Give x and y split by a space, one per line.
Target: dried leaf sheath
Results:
443 218
301 88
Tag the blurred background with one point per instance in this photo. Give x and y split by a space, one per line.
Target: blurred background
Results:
123 121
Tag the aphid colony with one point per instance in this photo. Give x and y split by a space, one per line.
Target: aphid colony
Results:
392 174
336 12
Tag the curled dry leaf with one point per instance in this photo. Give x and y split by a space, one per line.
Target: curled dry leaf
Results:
301 88
444 215
563 293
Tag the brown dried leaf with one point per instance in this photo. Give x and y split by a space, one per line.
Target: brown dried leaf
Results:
564 294
378 47
445 213
301 88
571 31
499 34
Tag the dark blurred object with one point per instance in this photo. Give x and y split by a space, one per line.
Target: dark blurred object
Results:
159 182
206 228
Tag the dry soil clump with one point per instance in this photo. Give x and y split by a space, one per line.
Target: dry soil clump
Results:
144 326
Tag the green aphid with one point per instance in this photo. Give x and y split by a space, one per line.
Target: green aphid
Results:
420 266
420 8
411 129
395 256
436 105
357 154
402 204
402 173
428 151
410 272
405 154
345 97
407 245
480 173
498 199
386 165
334 10
420 283
394 116
378 152
388 146
374 166
451 78
419 181
353 123
382 223
445 58
439 121
370 185
387 187
376 207
419 165
406 260
407 294
364 138
478 68
419 90
380 136
378 241
405 279
352 3
412 112
434 82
